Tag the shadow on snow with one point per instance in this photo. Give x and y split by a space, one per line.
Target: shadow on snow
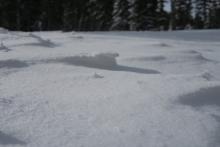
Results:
205 97
6 139
13 64
102 62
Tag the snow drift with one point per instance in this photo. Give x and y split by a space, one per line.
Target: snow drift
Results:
4 48
106 61
101 60
3 30
42 42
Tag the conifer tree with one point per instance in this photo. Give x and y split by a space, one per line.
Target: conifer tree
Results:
214 14
162 22
202 13
183 14
121 15
145 13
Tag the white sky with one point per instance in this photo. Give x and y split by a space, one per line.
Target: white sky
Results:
167 5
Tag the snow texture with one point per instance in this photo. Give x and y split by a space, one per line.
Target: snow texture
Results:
110 89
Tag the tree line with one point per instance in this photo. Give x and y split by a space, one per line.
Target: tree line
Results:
104 15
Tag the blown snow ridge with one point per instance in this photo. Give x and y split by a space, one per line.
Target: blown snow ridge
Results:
104 60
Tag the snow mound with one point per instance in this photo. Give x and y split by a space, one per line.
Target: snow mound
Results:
4 48
197 57
3 30
200 57
192 55
5 102
163 44
101 60
106 61
191 52
208 76
97 76
148 58
42 41
189 57
77 37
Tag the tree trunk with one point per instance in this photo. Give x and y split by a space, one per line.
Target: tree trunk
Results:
18 15
173 15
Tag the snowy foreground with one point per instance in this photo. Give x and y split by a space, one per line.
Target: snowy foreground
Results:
118 89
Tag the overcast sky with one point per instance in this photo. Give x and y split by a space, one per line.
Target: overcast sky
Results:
167 5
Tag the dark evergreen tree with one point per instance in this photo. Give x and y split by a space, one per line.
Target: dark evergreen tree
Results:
68 16
183 13
18 15
162 18
172 25
103 15
8 14
214 14
92 21
29 14
202 13
91 15
50 14
83 15
145 13
121 15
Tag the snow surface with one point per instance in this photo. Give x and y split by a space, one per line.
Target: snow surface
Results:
110 89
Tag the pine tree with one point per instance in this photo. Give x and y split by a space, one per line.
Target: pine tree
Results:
93 11
202 14
132 16
90 15
3 14
83 15
68 15
121 15
162 16
104 10
51 14
29 13
145 13
214 14
183 14
172 25
18 15
74 14
8 14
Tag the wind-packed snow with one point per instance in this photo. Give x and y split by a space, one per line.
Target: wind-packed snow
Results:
116 89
